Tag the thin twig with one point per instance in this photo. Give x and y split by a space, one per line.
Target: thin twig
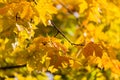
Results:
12 67
59 31
35 2
56 34
69 11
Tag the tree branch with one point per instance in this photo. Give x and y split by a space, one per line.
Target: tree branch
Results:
59 31
69 11
12 67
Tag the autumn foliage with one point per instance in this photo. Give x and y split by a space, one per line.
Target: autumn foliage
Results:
59 39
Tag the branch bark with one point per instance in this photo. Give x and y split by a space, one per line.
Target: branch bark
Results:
12 67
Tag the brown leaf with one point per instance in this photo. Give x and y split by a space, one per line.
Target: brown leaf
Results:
90 48
57 59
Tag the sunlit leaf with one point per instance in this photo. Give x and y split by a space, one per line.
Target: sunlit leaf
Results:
45 8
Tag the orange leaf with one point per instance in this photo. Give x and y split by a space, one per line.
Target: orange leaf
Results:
3 10
90 48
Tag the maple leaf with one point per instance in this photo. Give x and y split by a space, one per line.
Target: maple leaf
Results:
105 62
23 9
41 41
55 59
27 12
46 51
83 6
92 48
109 63
44 9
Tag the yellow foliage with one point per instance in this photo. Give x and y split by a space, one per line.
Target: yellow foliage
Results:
48 51
21 77
97 25
57 77
113 64
45 8
83 6
3 43
105 62
28 10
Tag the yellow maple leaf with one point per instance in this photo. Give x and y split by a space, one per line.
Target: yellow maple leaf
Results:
44 9
83 6
27 12
109 63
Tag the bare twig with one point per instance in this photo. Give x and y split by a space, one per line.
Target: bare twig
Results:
59 31
69 11
56 34
12 67
35 2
